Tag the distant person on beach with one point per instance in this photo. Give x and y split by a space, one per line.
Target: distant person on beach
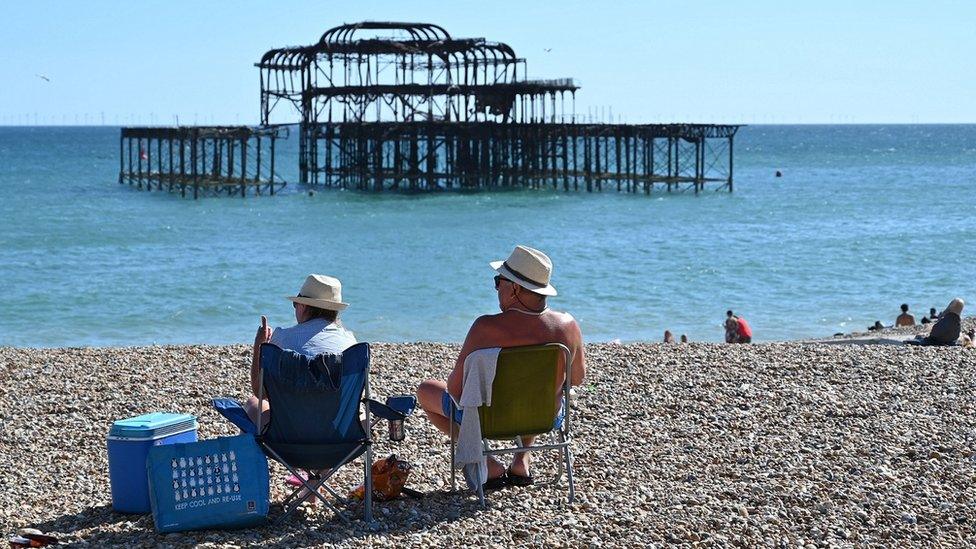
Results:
946 329
905 318
522 286
318 331
668 336
684 338
876 326
969 339
731 327
933 316
744 331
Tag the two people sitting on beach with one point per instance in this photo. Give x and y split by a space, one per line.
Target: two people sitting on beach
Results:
737 329
946 329
522 285
669 337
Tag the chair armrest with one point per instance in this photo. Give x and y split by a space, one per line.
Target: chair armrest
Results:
235 413
383 411
404 404
396 408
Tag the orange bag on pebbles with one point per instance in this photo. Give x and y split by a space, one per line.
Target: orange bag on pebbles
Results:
389 477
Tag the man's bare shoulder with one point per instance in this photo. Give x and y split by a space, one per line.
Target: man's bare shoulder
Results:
485 323
563 317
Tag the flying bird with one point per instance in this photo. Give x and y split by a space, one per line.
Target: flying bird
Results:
42 77
547 50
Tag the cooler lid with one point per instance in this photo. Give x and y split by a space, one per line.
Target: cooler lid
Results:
154 425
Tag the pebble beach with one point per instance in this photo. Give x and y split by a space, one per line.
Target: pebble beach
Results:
785 444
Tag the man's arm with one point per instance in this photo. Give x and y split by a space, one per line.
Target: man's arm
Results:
263 335
579 359
473 341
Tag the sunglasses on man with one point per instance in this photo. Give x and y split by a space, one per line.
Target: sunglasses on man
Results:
498 279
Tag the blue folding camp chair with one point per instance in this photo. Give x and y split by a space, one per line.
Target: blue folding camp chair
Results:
314 421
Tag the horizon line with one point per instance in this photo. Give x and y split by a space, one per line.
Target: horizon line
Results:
137 125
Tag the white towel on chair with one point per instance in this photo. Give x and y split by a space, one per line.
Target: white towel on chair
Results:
479 373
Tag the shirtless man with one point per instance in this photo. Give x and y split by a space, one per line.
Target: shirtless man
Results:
522 285
731 327
905 318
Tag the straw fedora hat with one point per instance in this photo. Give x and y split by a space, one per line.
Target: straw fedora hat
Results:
324 292
529 268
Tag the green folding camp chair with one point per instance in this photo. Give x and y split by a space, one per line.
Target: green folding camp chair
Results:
523 394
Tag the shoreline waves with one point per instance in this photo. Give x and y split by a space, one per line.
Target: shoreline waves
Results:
780 443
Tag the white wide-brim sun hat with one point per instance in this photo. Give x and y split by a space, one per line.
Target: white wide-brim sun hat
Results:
529 268
324 292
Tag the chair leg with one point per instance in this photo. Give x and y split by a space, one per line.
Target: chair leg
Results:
287 509
568 455
311 487
485 447
451 436
334 494
558 436
368 486
314 482
288 499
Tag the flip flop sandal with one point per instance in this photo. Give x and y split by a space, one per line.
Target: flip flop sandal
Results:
519 480
497 483
292 480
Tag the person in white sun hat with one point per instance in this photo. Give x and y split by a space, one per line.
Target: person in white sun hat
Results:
522 286
318 331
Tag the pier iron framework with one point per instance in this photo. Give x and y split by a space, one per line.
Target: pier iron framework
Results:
201 160
385 106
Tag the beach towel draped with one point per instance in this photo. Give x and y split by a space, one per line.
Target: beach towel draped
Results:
479 374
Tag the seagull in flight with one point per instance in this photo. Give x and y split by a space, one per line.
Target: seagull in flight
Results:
547 50
42 77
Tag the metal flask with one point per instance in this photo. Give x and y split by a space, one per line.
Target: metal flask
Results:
397 430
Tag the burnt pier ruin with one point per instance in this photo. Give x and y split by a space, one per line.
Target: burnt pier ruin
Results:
407 107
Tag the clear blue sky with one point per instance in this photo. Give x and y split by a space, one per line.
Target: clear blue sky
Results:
747 62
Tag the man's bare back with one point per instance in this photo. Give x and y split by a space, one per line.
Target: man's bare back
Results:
513 328
905 319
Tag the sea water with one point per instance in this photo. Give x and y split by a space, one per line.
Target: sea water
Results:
862 219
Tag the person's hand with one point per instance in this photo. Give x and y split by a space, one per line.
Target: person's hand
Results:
264 332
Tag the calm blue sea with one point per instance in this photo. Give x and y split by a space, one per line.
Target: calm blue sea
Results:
863 219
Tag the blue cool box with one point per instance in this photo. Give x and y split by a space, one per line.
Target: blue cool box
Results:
129 442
